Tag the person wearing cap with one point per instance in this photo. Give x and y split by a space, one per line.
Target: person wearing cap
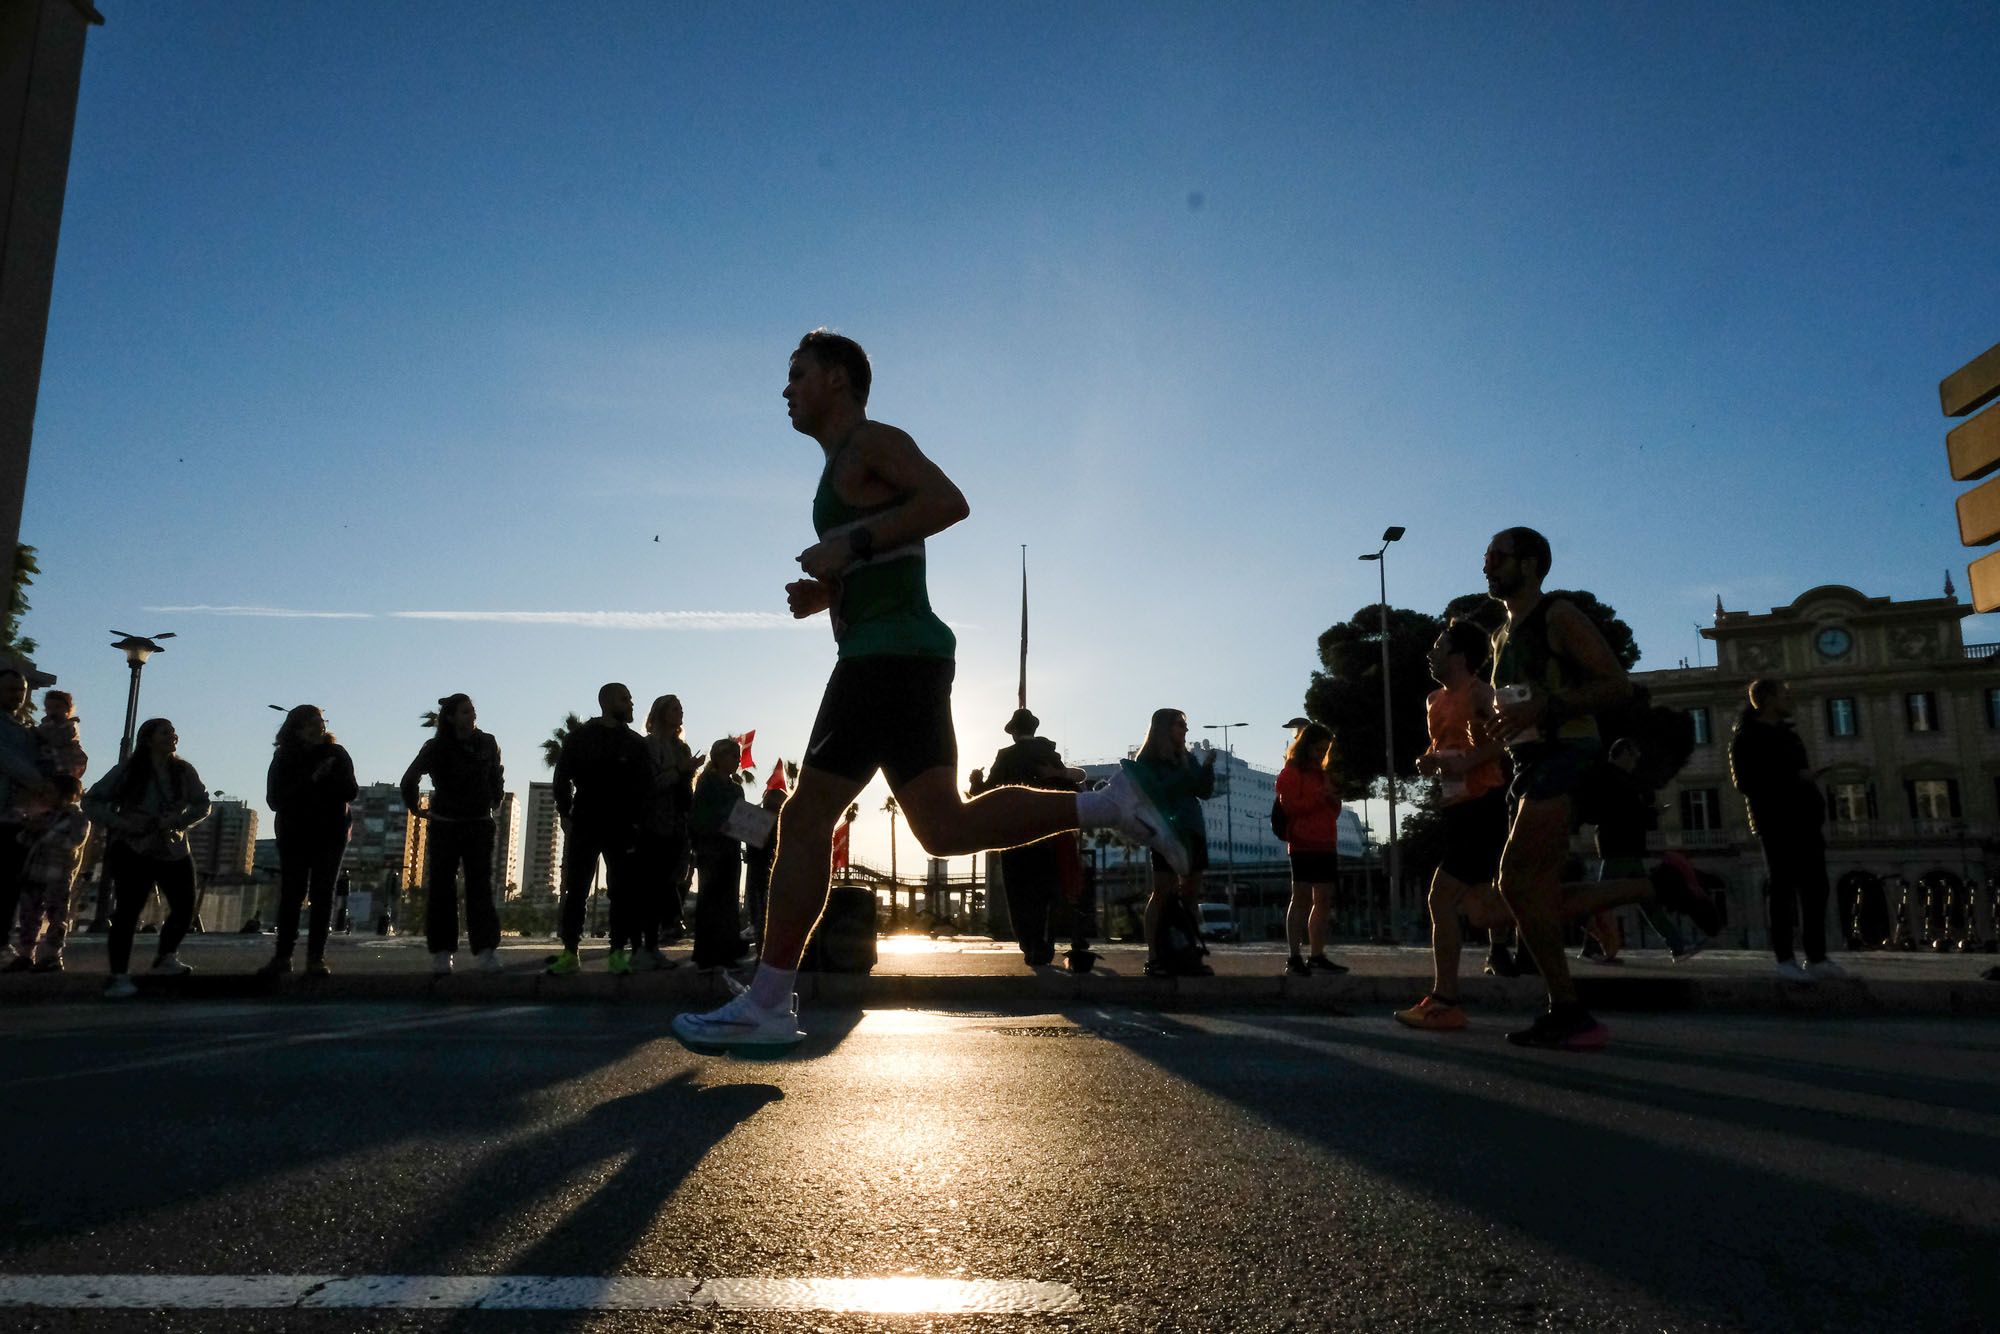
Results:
1032 874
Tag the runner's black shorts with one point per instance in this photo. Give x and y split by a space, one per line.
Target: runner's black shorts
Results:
891 713
1311 867
1474 833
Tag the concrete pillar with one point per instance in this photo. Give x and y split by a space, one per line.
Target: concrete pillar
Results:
41 62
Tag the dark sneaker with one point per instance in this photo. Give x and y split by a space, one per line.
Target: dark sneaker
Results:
1154 968
1080 961
1296 967
1500 962
54 965
1319 963
275 967
318 968
1575 1031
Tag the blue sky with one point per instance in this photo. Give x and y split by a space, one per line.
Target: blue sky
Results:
384 308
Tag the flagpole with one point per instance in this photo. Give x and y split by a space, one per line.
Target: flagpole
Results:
1023 693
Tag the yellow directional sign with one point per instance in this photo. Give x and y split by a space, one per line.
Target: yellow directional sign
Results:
1973 385
1973 451
1974 448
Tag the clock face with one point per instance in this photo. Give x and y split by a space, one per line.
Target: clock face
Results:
1833 642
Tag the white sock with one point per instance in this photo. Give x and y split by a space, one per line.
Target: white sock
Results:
1095 810
771 988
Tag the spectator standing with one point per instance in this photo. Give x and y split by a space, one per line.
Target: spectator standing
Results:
601 783
146 805
1309 808
1178 785
23 783
308 788
1032 873
467 783
55 840
757 860
1768 765
718 859
663 831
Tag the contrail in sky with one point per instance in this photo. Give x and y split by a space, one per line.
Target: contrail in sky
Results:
594 620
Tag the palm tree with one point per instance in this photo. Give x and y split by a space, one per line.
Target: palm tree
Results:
552 745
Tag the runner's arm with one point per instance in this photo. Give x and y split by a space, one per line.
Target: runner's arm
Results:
1576 638
931 501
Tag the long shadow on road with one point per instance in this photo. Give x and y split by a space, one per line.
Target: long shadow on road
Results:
1698 1231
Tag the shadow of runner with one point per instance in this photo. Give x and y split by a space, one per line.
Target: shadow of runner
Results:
1734 1244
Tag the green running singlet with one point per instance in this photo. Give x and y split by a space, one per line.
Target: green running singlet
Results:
1522 656
881 606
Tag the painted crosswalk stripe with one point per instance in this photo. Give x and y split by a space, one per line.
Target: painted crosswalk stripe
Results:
517 1292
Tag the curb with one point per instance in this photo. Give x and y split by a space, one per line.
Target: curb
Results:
1043 991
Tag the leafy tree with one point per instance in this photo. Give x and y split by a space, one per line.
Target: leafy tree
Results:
552 744
1346 693
25 569
1484 611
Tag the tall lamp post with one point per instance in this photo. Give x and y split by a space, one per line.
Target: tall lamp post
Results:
1380 556
136 648
890 806
1228 804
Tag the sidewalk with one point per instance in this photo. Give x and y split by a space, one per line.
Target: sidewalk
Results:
913 971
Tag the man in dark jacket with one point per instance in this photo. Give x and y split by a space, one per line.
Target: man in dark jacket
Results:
601 784
1033 874
1767 763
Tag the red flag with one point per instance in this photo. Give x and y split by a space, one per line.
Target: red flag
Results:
744 741
776 782
840 846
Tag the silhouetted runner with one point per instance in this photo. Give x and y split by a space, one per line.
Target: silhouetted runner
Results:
887 706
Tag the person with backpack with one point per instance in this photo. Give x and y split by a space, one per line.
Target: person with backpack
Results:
468 782
1553 673
1306 815
1768 765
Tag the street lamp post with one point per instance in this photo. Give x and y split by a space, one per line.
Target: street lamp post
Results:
1228 806
136 648
890 806
1390 534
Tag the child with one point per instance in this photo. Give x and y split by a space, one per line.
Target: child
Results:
55 841
718 859
62 752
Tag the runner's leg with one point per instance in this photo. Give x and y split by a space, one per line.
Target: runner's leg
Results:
801 868
1531 886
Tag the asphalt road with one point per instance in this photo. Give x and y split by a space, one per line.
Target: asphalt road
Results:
1209 1172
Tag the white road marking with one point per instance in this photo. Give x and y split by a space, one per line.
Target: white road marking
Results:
513 1292
264 1041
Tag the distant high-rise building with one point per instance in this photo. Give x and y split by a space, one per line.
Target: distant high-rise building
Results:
380 842
541 850
224 844
507 847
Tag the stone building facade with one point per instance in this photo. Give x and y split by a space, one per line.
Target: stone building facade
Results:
1901 712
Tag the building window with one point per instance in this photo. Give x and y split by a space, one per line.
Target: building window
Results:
1933 799
1699 717
1842 718
1852 803
1701 809
1920 707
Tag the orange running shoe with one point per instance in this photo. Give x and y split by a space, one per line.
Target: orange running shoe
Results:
1433 1013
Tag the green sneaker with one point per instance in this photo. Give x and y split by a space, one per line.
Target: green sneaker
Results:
564 964
619 964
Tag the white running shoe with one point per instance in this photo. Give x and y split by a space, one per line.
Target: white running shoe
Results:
1789 971
487 961
441 963
741 1025
171 966
1141 819
1825 970
120 987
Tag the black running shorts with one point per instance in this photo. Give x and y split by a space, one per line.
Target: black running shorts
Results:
1474 833
886 713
